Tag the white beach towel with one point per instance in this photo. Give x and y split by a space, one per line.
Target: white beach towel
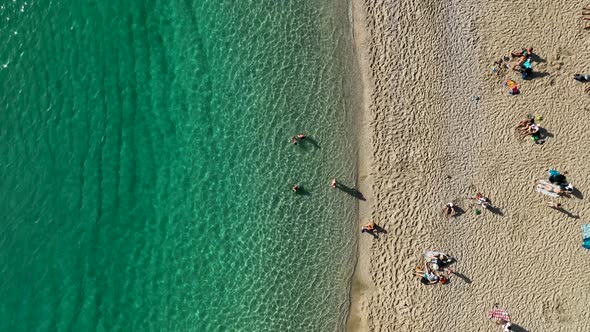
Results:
542 184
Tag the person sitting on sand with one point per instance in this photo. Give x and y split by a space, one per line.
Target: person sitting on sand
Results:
426 276
525 123
430 277
523 126
296 188
533 129
369 228
450 210
481 200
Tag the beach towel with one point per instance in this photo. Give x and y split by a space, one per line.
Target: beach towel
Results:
586 236
499 314
547 188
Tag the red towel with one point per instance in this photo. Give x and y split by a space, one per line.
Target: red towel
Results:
499 314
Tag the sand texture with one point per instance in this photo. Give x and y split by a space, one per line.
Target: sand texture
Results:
441 128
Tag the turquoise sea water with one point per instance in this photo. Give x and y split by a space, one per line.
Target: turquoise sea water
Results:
146 168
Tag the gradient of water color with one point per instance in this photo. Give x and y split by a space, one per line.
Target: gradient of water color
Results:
146 165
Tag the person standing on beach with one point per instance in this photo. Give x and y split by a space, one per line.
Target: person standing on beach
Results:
370 227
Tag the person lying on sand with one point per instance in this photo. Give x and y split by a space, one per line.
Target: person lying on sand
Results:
552 205
527 52
437 257
522 56
551 188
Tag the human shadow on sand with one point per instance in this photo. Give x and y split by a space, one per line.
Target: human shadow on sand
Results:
545 133
568 213
463 277
458 211
495 210
537 74
351 191
518 328
577 194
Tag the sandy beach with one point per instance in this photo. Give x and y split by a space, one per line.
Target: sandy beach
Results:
437 127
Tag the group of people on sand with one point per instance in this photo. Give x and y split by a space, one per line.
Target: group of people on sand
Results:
522 65
556 186
528 127
434 268
452 210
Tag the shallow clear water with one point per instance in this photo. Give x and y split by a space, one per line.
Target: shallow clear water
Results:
146 165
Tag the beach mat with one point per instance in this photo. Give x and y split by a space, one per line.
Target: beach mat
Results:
586 236
547 188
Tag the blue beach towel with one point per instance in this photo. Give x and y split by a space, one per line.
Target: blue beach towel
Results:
553 172
586 236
